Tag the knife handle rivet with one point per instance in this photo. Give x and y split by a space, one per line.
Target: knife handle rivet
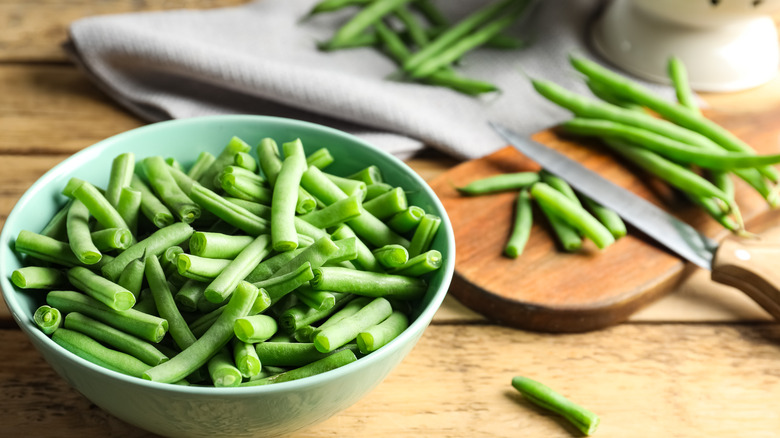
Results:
742 254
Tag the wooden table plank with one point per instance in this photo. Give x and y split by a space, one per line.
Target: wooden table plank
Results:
671 380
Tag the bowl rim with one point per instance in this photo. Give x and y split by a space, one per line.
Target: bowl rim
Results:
418 325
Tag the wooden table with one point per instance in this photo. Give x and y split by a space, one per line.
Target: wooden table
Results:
704 361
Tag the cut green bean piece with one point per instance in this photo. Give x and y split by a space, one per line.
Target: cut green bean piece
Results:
223 371
334 214
143 325
151 206
279 286
202 163
373 284
255 208
238 269
347 329
500 183
328 363
200 268
215 338
584 420
155 244
218 245
387 204
101 289
391 256
47 319
241 187
105 213
560 185
91 350
169 192
567 236
189 294
232 214
377 336
290 354
424 234
316 299
321 158
46 248
246 359
79 235
376 189
56 228
407 220
109 239
225 158
285 194
132 277
126 343
246 161
369 175
420 264
129 207
255 328
573 214
608 217
38 277
316 255
267 267
365 258
122 168
521 226
350 187
302 315
165 304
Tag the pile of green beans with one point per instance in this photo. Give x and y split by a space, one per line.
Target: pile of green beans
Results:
424 44
572 217
241 269
672 141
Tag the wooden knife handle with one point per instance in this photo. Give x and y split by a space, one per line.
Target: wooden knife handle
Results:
752 267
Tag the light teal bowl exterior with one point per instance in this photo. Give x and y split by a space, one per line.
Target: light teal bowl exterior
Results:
172 410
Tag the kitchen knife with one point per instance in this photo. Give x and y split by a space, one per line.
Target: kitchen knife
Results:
752 266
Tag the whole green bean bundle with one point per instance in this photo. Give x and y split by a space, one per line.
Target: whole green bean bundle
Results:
347 329
47 318
214 339
543 396
500 183
101 289
373 284
154 244
325 364
93 351
572 213
38 277
117 339
163 184
143 325
374 337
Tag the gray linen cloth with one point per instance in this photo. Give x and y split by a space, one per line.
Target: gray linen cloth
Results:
260 58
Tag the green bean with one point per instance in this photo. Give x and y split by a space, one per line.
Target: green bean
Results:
670 148
374 337
231 213
151 206
225 158
417 33
132 277
336 213
407 220
365 258
238 269
424 234
245 161
560 185
267 267
255 328
575 215
56 228
347 329
316 255
567 236
420 264
500 183
671 111
145 303
316 299
122 168
165 304
716 212
37 277
465 43
241 187
328 363
376 189
223 370
166 188
268 157
79 236
246 359
369 175
204 161
455 33
140 349
539 394
105 213
373 284
430 12
214 339
47 319
143 325
335 5
129 207
604 93
200 268
218 245
174 164
302 315
391 256
155 244
290 354
367 16
189 294
283 229
521 227
101 289
608 217
387 204
109 239
88 349
279 286
678 74
321 158
46 248
261 210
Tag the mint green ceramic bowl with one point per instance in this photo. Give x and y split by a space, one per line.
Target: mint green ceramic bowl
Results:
173 410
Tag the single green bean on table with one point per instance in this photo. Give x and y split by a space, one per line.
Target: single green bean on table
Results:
500 183
151 206
521 225
545 397
47 319
118 339
38 277
101 289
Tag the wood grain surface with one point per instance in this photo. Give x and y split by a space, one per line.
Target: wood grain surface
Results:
693 364
549 289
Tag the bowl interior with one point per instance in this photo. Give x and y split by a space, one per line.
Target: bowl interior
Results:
183 140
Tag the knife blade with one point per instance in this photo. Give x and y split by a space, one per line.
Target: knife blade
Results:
749 266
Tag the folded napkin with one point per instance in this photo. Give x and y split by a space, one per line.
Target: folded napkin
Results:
260 58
